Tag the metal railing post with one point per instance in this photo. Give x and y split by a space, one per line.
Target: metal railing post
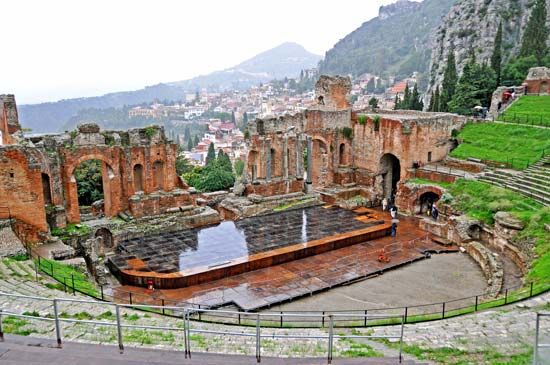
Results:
536 348
443 311
119 329
531 291
185 349
258 339
330 337
506 296
475 310
1 328
281 320
188 334
401 340
406 312
365 319
102 298
57 324
74 288
162 300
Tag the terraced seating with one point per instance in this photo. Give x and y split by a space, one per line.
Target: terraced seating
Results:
533 182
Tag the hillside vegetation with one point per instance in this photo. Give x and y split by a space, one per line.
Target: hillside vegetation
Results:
398 41
502 143
529 109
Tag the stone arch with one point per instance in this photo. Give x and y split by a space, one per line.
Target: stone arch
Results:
138 177
343 155
425 201
474 231
320 161
46 189
390 169
158 175
110 182
276 158
253 165
105 241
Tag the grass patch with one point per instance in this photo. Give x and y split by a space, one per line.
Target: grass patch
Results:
72 229
65 274
199 340
16 326
504 143
56 286
529 109
19 257
429 182
293 204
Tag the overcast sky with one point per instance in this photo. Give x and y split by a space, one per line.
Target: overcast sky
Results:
71 48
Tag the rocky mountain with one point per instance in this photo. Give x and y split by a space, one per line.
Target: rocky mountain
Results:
398 41
286 60
472 25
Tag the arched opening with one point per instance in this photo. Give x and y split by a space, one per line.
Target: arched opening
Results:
544 87
252 165
390 169
158 175
320 163
426 201
138 178
342 154
46 189
89 179
474 232
105 241
272 163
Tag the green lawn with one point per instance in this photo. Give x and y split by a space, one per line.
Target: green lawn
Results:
517 145
529 110
66 274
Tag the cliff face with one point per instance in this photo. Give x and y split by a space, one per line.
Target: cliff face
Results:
473 24
397 42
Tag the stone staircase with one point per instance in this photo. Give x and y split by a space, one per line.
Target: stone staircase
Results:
533 182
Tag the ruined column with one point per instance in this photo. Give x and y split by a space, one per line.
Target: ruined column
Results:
299 158
309 164
268 162
285 157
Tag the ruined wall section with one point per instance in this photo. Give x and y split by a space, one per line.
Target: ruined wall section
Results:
21 191
10 128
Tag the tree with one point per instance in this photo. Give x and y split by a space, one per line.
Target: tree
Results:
379 86
245 119
233 117
211 155
435 107
189 144
496 57
474 88
371 85
186 134
536 33
373 102
197 140
89 182
224 162
415 102
239 167
182 165
515 72
215 178
396 102
448 86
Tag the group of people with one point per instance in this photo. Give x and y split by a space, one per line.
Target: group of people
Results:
393 212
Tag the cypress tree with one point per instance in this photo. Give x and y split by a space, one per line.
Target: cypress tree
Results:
436 100
233 117
416 102
432 99
396 102
406 104
197 140
371 85
496 57
189 144
536 33
450 79
211 155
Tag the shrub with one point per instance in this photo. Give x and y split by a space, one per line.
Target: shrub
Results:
362 119
347 132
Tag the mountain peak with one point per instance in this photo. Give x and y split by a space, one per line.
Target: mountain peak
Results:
399 7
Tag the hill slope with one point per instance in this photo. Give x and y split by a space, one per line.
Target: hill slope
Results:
285 60
398 40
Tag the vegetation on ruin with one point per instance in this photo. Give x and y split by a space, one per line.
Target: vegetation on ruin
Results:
481 201
529 109
89 182
347 132
362 119
150 132
182 165
72 229
239 167
517 145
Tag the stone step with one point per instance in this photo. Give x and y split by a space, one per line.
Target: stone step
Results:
491 180
536 179
523 181
528 188
541 199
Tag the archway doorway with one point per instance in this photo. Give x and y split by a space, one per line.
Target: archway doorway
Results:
46 189
426 201
253 165
138 178
390 169
544 87
320 163
343 161
158 175
89 179
105 241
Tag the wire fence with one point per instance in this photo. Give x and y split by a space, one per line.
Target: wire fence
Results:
525 119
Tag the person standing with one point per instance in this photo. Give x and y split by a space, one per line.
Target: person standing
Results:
435 212
384 204
394 227
393 212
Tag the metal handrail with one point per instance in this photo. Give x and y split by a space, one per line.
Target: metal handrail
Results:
187 329
539 345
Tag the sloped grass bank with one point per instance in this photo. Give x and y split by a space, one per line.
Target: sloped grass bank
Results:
529 109
517 145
